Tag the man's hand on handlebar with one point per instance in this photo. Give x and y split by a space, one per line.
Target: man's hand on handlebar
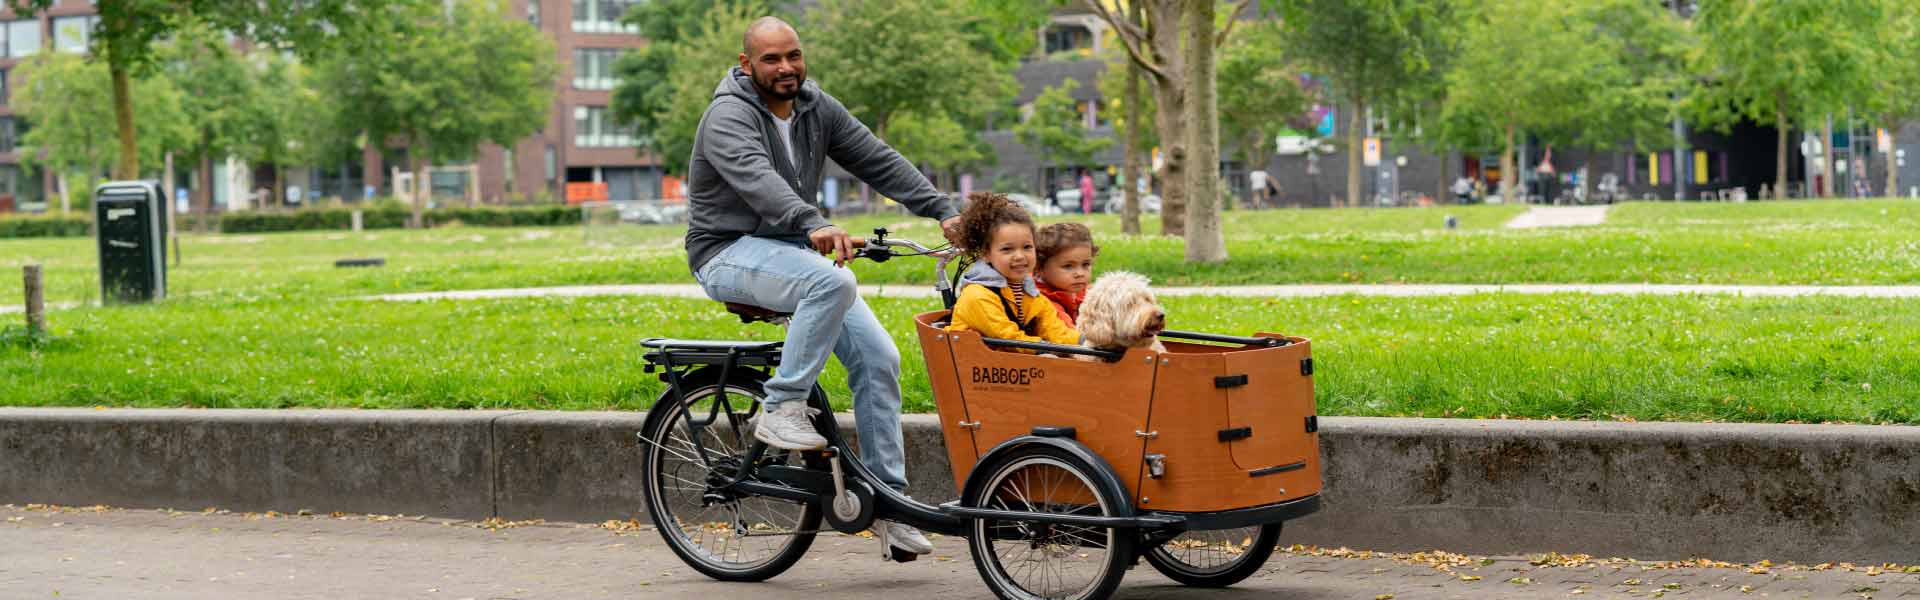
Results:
833 241
951 229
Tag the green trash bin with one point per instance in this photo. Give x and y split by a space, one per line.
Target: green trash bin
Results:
131 226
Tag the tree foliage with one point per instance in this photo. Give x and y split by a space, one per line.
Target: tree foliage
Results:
646 91
1388 55
126 38
1056 130
461 77
1260 92
69 102
1784 61
885 59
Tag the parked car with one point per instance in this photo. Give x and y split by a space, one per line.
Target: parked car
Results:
1034 205
1149 203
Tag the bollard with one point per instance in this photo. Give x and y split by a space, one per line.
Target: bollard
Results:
356 221
36 302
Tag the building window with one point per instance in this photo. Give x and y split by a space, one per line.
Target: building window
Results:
602 16
71 34
593 127
553 164
1090 114
6 134
533 12
593 68
23 38
6 94
1063 38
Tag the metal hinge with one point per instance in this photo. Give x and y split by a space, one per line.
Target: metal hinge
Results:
974 425
1313 424
1146 434
1237 433
1306 367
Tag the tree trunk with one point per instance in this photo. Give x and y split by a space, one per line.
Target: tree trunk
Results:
421 185
1509 174
279 185
1205 242
1356 118
1780 147
203 194
1170 120
1893 161
1826 158
1130 171
128 167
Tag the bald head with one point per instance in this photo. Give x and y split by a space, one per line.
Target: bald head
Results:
771 56
768 26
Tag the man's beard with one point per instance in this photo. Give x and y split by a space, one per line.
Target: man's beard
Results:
767 86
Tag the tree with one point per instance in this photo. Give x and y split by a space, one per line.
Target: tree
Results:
127 37
1173 42
693 63
1260 93
218 91
280 131
1896 98
1056 129
1120 81
938 142
1782 61
464 76
69 101
1383 54
646 91
883 58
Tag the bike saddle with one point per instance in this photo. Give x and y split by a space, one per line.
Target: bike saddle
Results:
749 313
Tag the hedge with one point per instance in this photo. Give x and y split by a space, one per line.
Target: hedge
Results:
384 215
29 227
388 216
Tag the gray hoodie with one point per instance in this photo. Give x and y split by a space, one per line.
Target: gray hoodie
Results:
982 273
741 181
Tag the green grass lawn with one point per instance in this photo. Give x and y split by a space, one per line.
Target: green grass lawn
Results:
1829 242
1689 358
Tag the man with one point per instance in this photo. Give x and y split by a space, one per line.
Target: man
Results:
754 238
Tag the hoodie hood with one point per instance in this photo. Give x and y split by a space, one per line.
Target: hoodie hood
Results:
738 84
982 273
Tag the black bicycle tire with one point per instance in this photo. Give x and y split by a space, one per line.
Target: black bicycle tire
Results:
692 383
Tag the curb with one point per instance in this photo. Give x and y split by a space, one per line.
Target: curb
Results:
1738 492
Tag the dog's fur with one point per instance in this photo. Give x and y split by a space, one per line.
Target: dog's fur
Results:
1120 313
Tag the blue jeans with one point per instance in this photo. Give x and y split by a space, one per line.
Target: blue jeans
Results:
827 314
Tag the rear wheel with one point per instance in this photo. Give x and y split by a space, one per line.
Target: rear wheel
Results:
1023 560
1215 558
721 534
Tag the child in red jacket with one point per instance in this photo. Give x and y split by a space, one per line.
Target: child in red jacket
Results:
1065 252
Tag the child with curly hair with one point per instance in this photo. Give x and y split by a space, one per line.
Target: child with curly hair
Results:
998 297
1066 252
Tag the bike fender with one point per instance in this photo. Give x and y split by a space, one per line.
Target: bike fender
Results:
1103 473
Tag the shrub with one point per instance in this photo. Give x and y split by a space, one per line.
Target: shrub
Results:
388 215
45 226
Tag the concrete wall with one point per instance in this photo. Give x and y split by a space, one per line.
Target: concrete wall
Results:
1645 490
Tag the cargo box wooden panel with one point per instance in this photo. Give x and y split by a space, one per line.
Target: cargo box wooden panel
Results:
1229 423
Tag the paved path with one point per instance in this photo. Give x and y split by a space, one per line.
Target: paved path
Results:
1560 216
1261 291
163 555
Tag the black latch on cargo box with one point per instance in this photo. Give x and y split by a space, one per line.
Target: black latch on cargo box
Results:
1055 432
1313 424
1230 381
1237 433
1306 366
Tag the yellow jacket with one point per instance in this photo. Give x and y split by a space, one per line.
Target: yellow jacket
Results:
983 309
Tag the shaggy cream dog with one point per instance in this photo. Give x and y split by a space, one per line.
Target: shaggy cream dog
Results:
1120 313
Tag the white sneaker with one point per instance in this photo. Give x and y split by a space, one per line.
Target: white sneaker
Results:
789 426
904 537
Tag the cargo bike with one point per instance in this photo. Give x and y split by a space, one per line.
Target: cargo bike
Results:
1069 471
